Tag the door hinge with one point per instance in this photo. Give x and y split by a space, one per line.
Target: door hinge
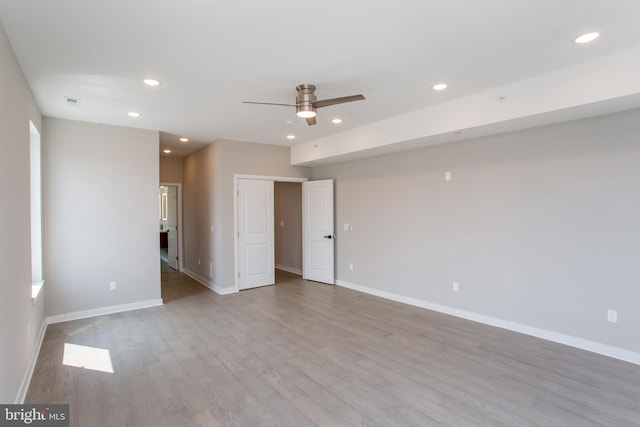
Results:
238 274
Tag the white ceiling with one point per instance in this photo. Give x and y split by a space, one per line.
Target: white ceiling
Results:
211 55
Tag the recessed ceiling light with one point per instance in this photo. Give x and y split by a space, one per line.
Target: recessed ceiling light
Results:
291 137
336 121
440 86
166 151
586 38
151 82
184 139
133 114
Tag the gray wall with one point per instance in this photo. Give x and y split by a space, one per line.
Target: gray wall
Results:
208 202
170 170
288 237
198 215
539 227
20 320
101 215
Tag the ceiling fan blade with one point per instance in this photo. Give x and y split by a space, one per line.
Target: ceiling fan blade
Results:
334 101
268 103
311 121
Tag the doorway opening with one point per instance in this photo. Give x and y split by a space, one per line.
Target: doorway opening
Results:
170 224
287 207
256 224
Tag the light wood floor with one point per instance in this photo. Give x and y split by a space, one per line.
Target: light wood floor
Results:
303 354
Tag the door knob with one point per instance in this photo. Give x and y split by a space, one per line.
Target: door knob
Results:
328 236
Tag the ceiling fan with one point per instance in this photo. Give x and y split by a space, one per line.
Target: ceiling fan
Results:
307 103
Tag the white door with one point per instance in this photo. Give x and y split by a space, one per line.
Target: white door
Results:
172 227
255 233
317 233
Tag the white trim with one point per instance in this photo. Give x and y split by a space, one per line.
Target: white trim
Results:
236 247
104 310
208 284
577 342
36 287
26 380
270 178
180 226
289 269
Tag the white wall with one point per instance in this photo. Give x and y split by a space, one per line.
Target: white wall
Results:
208 202
20 320
540 227
101 215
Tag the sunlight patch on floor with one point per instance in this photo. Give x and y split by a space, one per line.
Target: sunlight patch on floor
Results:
81 356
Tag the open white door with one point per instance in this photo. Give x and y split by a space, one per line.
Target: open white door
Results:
255 233
172 227
317 233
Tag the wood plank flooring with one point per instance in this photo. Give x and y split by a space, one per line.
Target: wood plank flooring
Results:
307 354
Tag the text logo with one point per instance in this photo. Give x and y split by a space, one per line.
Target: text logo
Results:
34 415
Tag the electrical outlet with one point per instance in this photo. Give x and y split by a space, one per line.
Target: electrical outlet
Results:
447 176
351 266
456 287
113 286
612 316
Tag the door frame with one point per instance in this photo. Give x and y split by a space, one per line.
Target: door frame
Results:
236 246
179 221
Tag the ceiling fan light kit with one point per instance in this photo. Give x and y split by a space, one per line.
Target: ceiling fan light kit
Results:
304 101
306 112
307 103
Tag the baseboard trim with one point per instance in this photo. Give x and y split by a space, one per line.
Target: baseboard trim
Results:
26 380
103 311
208 284
581 343
289 269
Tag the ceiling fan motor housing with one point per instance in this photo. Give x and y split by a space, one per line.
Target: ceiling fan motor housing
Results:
305 99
